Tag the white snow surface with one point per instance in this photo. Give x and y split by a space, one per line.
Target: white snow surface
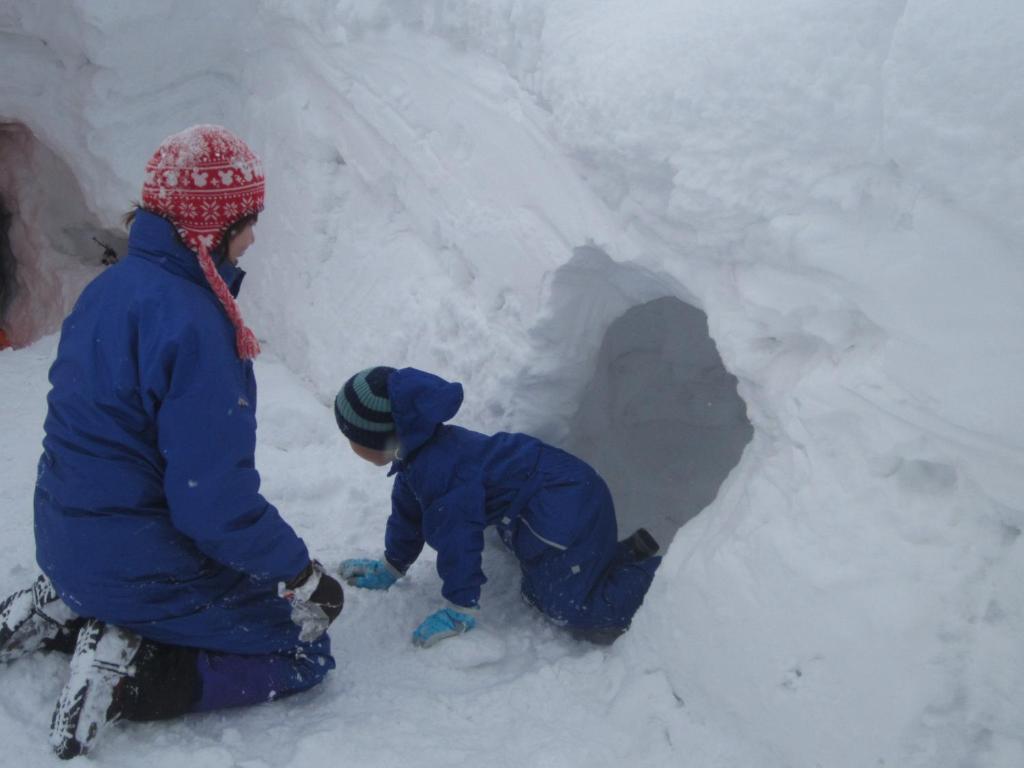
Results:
837 185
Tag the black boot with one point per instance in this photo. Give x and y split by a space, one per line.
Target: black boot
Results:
104 657
36 619
642 545
117 675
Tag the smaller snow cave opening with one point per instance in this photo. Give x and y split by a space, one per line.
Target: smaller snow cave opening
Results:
51 243
661 418
7 263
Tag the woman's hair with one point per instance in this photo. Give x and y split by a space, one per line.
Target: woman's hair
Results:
129 217
222 247
238 226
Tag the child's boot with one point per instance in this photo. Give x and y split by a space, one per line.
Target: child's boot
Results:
598 635
103 660
35 619
639 546
644 544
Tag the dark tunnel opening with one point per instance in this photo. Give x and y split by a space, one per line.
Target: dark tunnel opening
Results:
7 268
661 418
51 243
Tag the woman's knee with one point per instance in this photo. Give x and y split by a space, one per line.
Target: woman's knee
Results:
230 680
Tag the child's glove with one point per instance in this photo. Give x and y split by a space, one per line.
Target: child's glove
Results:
369 574
316 600
447 622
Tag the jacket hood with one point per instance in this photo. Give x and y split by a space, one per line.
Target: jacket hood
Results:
420 403
155 239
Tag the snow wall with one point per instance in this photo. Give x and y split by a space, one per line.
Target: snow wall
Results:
837 186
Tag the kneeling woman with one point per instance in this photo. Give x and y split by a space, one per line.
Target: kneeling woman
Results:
550 508
176 586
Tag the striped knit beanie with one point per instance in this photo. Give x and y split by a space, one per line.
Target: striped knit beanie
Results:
203 180
363 409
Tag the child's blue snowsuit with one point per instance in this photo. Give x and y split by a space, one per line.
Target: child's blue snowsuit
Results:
147 506
550 508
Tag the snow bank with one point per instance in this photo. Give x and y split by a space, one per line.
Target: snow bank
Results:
837 189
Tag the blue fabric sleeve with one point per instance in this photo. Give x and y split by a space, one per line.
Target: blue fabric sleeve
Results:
206 428
454 526
403 539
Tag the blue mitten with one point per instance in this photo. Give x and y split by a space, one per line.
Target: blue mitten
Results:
447 622
369 574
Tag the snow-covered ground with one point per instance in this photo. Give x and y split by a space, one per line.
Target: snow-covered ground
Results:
495 190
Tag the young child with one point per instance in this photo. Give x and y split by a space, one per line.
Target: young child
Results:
550 508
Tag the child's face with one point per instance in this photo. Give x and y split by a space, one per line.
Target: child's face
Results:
380 458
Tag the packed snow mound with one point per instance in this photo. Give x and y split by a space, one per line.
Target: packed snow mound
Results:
836 188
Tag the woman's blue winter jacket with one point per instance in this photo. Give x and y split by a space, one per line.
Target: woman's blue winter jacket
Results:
147 507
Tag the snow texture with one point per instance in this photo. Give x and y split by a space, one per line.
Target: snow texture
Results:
496 191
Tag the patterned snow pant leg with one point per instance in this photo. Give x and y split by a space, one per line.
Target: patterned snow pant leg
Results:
591 584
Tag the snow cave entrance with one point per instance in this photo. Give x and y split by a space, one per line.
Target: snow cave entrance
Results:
50 242
6 267
638 389
660 419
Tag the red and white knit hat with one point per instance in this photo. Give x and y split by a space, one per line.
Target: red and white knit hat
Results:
203 180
